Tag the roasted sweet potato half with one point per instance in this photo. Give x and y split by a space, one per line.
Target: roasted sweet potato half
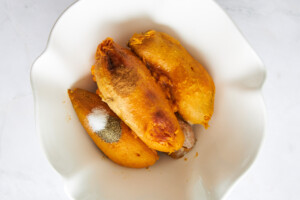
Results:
188 85
127 86
115 139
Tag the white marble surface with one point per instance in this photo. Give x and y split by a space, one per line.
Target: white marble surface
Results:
272 28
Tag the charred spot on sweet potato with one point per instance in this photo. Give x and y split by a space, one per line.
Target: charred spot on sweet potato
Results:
163 128
151 96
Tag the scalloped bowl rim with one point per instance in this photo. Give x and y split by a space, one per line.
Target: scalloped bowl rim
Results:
36 105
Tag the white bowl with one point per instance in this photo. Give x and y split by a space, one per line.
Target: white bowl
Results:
225 150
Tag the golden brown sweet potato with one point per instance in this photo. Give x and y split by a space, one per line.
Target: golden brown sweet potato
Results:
188 84
127 86
114 138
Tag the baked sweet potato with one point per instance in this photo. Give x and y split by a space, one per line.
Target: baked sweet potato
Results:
127 86
116 140
189 86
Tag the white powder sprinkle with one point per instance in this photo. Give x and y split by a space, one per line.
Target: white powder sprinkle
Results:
97 119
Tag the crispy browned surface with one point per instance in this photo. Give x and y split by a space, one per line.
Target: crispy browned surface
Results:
127 86
190 86
129 151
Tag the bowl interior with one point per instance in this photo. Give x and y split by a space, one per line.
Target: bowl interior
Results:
224 151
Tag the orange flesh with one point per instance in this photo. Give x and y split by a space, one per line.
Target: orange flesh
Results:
191 87
127 86
129 151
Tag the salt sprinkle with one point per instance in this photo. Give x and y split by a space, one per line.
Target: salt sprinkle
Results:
107 127
97 119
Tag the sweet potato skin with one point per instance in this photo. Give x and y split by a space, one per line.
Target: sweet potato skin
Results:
189 141
127 86
129 150
192 88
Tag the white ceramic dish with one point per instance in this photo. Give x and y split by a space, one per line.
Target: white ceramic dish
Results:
226 149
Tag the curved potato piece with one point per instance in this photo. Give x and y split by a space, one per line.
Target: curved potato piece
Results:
127 86
189 141
116 140
191 87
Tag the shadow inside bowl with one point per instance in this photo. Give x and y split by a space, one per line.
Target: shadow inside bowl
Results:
86 82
